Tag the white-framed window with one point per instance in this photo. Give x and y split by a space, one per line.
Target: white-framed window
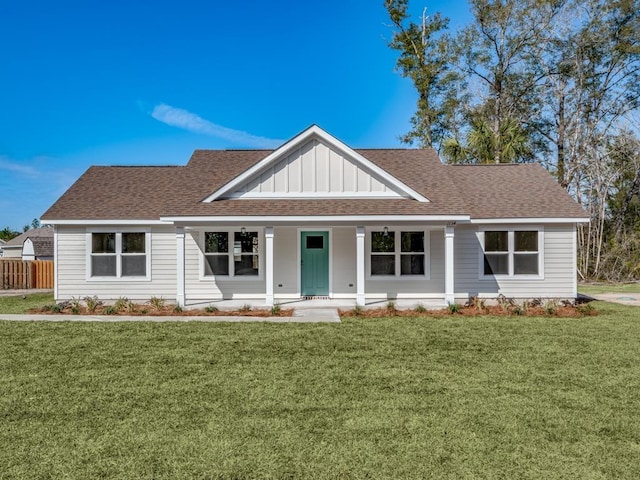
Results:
511 252
119 254
398 252
231 254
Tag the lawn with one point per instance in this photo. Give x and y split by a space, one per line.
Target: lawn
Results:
455 397
20 304
597 288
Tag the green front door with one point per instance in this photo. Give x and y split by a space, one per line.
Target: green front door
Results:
314 263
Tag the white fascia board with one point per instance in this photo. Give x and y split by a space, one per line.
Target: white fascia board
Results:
104 222
324 219
299 140
493 221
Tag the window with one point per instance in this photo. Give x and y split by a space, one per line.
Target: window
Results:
400 253
119 255
241 259
512 252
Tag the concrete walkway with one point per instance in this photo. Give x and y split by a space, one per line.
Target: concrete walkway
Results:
316 315
632 299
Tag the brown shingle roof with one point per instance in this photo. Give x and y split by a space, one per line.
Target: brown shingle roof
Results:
512 191
148 193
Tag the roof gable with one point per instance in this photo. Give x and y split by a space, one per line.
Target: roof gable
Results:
315 164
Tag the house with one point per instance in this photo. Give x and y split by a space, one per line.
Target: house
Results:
315 218
34 244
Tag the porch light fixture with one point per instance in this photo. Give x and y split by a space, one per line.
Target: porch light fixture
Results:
385 232
243 231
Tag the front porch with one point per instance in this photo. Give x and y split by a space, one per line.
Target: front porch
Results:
312 266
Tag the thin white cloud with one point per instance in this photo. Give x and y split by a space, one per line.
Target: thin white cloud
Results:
16 167
178 117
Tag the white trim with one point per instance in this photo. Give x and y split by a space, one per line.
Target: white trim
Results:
268 240
449 266
360 265
298 141
118 254
398 253
495 221
237 220
510 252
319 195
180 266
55 263
574 259
231 277
114 222
329 230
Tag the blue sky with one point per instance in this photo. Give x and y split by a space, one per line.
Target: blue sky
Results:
146 82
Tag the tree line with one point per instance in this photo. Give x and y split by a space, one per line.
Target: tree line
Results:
549 81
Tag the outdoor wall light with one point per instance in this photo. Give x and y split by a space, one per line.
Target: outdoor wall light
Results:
243 231
385 232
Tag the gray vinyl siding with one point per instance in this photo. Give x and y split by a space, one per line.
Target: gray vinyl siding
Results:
71 268
559 268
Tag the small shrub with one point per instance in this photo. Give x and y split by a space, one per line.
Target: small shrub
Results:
131 307
75 304
210 309
121 303
476 302
505 303
517 310
157 303
275 310
178 308
75 310
56 308
420 308
391 308
454 308
92 303
357 311
245 308
551 307
144 311
586 309
111 310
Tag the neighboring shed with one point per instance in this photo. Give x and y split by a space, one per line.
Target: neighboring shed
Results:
34 244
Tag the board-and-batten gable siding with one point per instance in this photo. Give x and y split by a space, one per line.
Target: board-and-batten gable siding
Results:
559 270
415 287
315 168
72 268
198 288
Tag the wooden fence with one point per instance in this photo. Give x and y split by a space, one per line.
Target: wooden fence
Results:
26 274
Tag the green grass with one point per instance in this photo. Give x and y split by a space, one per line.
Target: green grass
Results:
17 304
596 289
454 397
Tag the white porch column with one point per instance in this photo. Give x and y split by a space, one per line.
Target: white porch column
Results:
180 296
449 273
360 266
268 236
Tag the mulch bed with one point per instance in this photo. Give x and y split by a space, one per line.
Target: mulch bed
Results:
66 308
562 311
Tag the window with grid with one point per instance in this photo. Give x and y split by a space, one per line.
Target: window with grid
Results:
398 253
118 254
240 258
511 252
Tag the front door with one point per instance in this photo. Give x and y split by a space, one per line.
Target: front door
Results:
314 264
